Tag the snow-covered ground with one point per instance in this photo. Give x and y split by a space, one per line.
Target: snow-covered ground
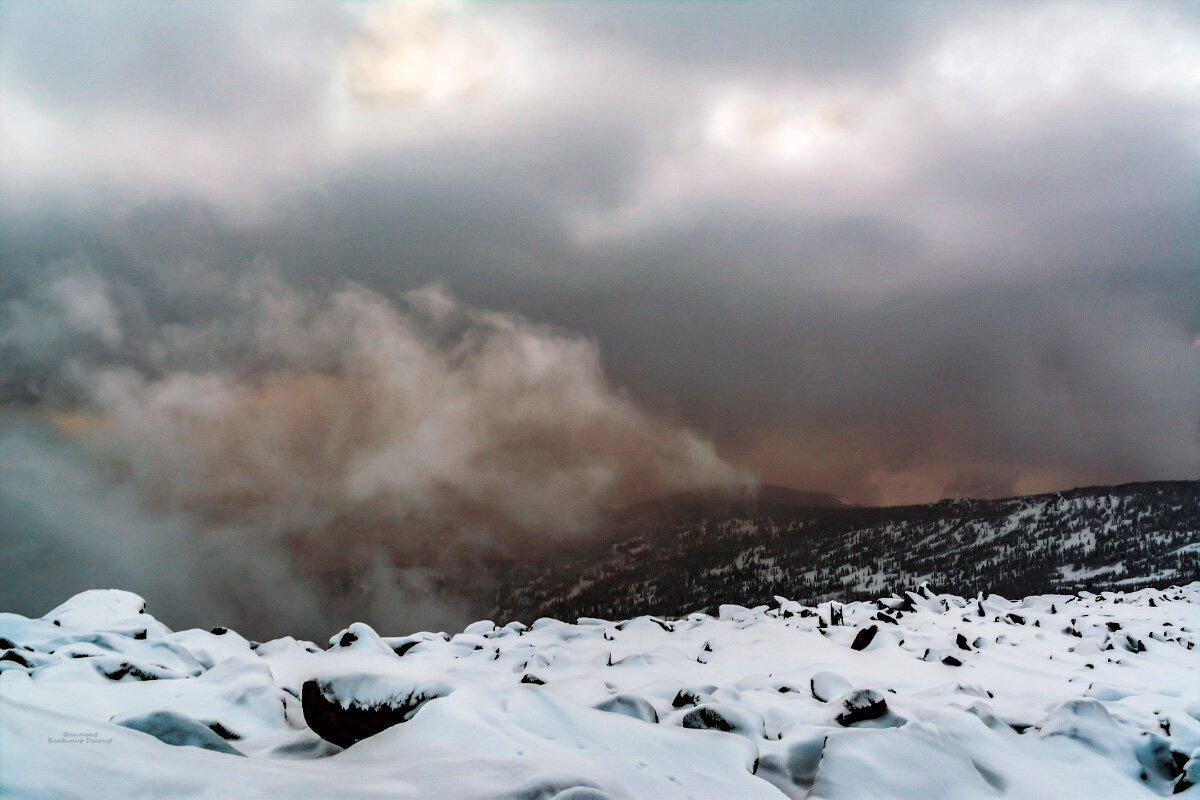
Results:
925 696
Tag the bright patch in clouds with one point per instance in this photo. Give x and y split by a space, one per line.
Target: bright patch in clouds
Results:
799 131
427 51
1049 53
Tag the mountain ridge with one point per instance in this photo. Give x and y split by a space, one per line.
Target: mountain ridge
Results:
1087 538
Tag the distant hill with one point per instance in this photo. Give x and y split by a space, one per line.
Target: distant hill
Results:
699 549
705 504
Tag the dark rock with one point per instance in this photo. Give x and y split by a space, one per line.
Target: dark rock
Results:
961 641
347 639
219 631
864 637
861 705
951 661
722 717
534 679
17 658
125 670
222 731
404 648
346 724
685 697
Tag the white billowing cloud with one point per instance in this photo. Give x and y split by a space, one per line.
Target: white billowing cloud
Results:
416 52
72 304
1006 63
345 437
424 418
82 299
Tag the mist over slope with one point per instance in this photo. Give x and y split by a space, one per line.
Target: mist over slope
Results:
302 454
680 558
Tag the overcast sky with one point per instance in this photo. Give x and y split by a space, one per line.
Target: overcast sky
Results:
892 251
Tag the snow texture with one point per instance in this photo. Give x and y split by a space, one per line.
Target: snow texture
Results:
1082 696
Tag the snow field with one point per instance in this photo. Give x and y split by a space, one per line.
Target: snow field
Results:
919 696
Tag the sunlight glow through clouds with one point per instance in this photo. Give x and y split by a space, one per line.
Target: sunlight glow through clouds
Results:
429 52
798 131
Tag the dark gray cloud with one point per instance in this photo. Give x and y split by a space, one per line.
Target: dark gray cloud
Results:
860 39
895 251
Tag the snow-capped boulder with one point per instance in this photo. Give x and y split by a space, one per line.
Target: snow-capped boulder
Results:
861 705
726 717
349 708
631 706
107 610
826 686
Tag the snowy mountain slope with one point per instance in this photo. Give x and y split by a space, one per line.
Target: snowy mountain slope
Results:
1102 538
919 696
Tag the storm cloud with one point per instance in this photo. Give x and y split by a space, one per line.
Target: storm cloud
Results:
593 252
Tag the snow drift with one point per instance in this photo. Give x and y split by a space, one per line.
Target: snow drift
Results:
921 695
